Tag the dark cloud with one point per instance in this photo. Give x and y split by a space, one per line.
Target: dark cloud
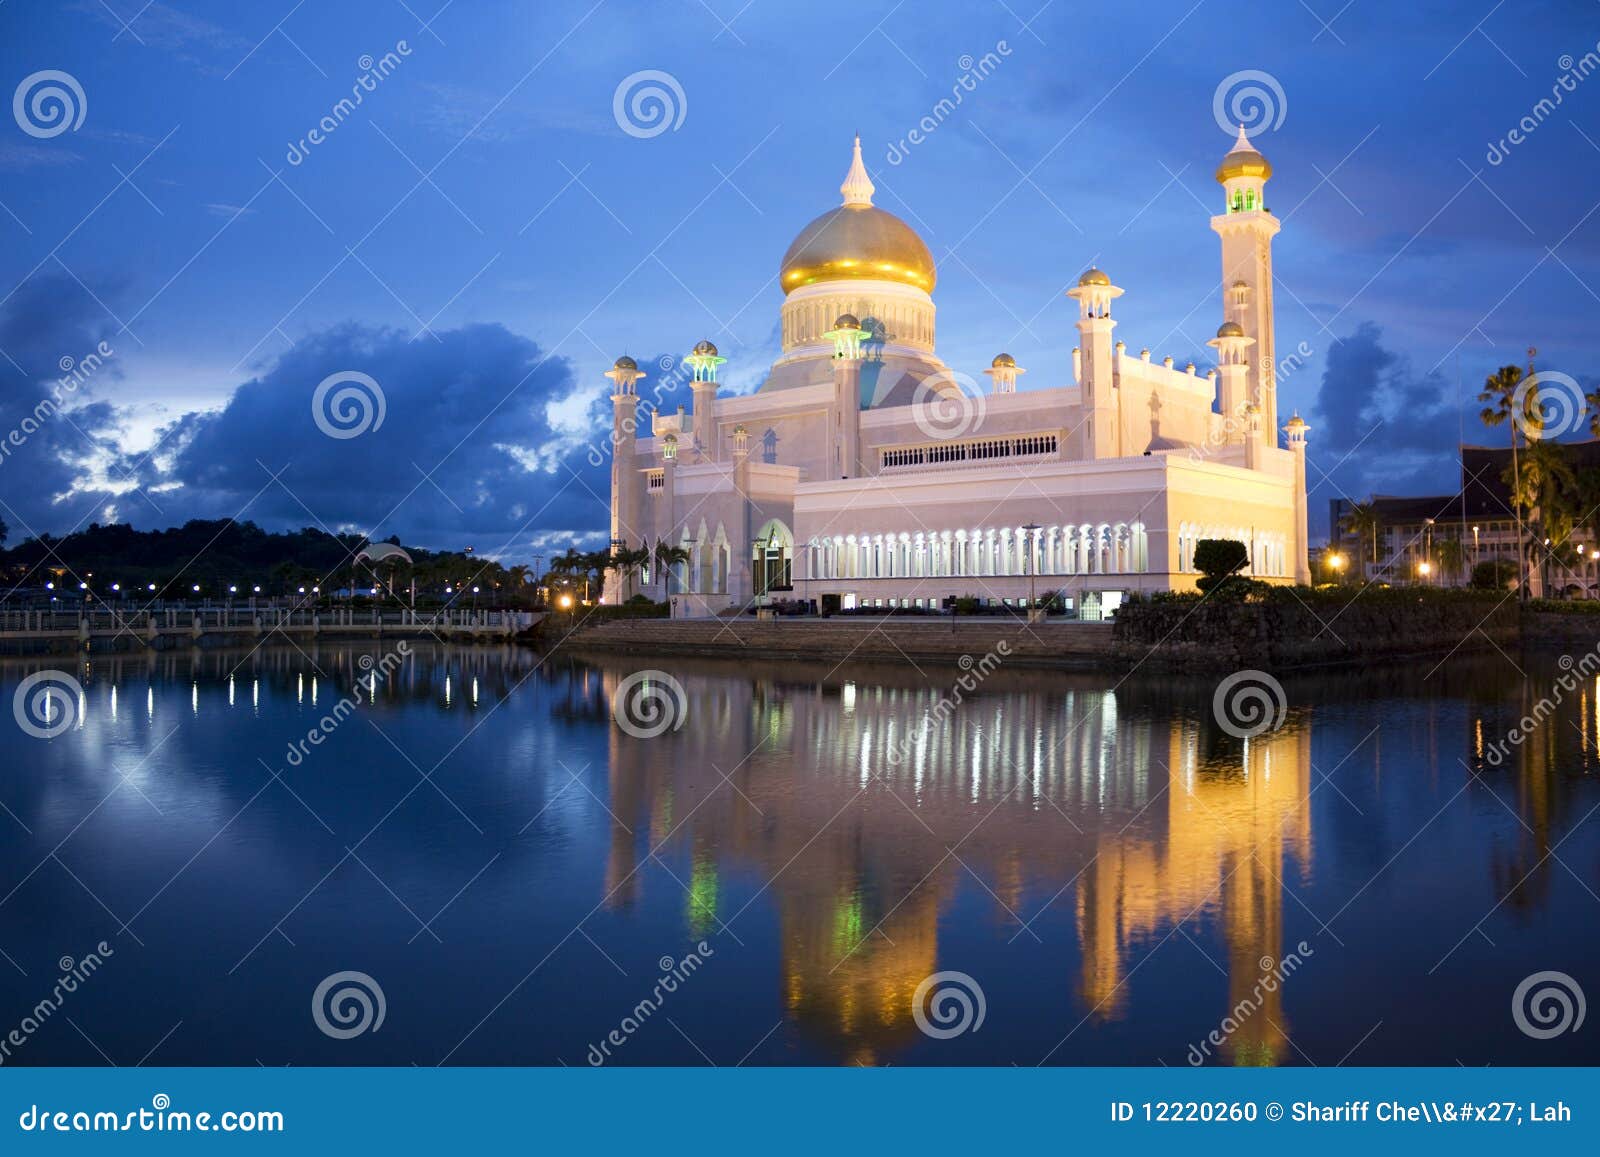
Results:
51 422
1380 426
464 450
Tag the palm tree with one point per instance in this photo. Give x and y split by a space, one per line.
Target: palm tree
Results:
1544 487
628 561
667 557
1362 521
1499 394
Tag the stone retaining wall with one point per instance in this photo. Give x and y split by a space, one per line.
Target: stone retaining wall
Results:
1286 633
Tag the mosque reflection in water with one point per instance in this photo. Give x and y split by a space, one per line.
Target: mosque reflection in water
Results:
1139 822
1083 823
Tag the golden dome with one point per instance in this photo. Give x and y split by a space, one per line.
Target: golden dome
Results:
857 243
1003 361
1094 277
1243 161
1230 329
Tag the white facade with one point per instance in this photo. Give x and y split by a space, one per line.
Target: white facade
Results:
867 471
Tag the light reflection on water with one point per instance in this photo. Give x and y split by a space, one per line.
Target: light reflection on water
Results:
475 832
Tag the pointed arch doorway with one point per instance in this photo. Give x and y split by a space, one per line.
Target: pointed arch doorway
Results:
772 558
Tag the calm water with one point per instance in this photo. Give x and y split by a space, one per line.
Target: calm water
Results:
1112 869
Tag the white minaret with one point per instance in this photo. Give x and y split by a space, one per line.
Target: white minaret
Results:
627 484
1247 229
1096 365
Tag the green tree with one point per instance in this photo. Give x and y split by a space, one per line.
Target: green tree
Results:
1452 557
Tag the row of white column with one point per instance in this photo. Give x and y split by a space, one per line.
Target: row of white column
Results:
1109 548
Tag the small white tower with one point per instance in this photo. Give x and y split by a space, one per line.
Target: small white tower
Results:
1097 376
1003 373
1233 373
845 415
704 362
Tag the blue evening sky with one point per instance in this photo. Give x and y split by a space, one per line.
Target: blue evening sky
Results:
483 239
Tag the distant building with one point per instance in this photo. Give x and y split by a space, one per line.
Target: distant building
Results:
1479 516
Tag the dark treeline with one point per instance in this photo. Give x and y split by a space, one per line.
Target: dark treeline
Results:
218 554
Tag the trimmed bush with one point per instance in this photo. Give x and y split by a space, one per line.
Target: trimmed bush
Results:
1219 559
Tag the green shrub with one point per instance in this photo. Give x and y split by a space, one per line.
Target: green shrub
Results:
1494 575
1219 559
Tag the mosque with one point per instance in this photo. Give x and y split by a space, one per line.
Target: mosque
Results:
865 472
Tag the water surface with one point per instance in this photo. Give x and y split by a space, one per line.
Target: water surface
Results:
1113 870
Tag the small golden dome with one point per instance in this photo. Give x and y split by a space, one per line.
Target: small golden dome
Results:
847 321
625 363
1004 361
1297 423
705 347
1094 277
857 243
1230 329
1243 161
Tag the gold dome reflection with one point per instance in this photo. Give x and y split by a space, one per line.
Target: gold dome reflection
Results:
845 804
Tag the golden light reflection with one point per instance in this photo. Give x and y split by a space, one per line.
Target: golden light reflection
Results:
854 842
